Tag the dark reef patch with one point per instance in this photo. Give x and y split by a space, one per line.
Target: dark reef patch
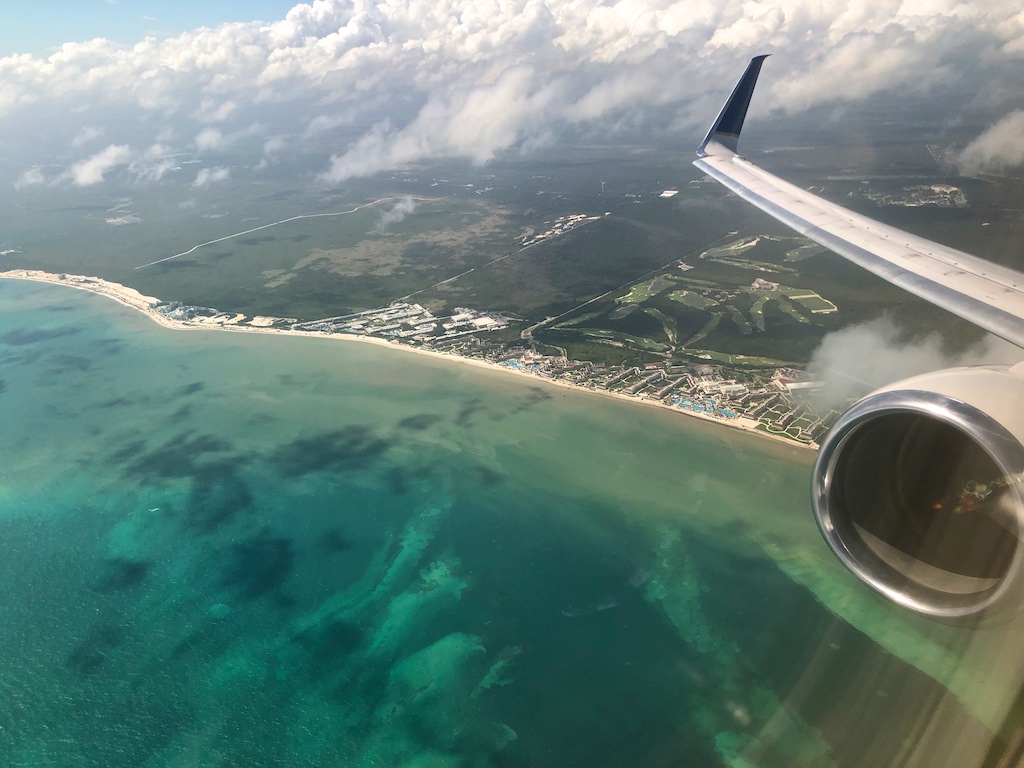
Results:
62 364
120 573
107 347
259 240
469 409
259 565
536 397
21 337
189 389
330 646
24 357
129 451
256 419
217 496
57 308
192 643
3 386
401 479
349 448
283 601
334 541
419 422
90 654
181 456
182 413
487 477
114 403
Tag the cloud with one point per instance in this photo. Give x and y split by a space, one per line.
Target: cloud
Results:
211 176
471 79
212 112
396 215
33 177
272 147
998 148
324 123
476 122
857 360
93 169
86 135
153 163
210 138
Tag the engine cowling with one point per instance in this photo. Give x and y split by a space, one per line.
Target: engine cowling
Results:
919 490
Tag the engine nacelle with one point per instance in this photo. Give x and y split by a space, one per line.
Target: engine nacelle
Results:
919 490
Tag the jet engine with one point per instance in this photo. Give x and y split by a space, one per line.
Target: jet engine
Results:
919 490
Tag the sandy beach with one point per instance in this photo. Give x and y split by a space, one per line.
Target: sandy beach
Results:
130 297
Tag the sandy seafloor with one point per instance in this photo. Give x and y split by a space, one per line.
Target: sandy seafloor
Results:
240 550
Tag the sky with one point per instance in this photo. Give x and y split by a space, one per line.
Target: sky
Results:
42 28
388 83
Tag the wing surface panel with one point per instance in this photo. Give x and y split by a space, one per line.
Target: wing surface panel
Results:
987 294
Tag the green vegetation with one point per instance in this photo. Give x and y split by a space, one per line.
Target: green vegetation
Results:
667 323
624 311
757 310
614 283
707 328
641 292
577 320
731 248
692 299
682 314
741 322
802 252
788 308
637 341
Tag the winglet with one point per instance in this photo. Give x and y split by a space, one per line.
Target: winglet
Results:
726 130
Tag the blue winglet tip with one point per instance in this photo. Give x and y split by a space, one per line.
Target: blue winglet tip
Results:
726 129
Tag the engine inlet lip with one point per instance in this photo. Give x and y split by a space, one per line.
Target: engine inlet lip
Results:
986 432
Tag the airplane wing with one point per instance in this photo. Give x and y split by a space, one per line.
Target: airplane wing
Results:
988 295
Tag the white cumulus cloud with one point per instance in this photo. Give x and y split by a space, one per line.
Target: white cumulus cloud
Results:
86 135
998 148
93 169
211 176
33 177
854 361
396 214
472 78
210 138
153 164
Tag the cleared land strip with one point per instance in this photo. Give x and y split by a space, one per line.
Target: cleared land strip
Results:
195 248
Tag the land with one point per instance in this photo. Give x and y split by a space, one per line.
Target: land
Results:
617 269
703 384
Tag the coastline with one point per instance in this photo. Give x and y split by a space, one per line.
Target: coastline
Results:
133 299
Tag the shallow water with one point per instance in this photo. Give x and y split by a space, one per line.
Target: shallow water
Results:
230 549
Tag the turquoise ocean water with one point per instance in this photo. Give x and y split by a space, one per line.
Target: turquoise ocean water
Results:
240 550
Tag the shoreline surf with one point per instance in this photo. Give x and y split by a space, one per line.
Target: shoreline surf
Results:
140 302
